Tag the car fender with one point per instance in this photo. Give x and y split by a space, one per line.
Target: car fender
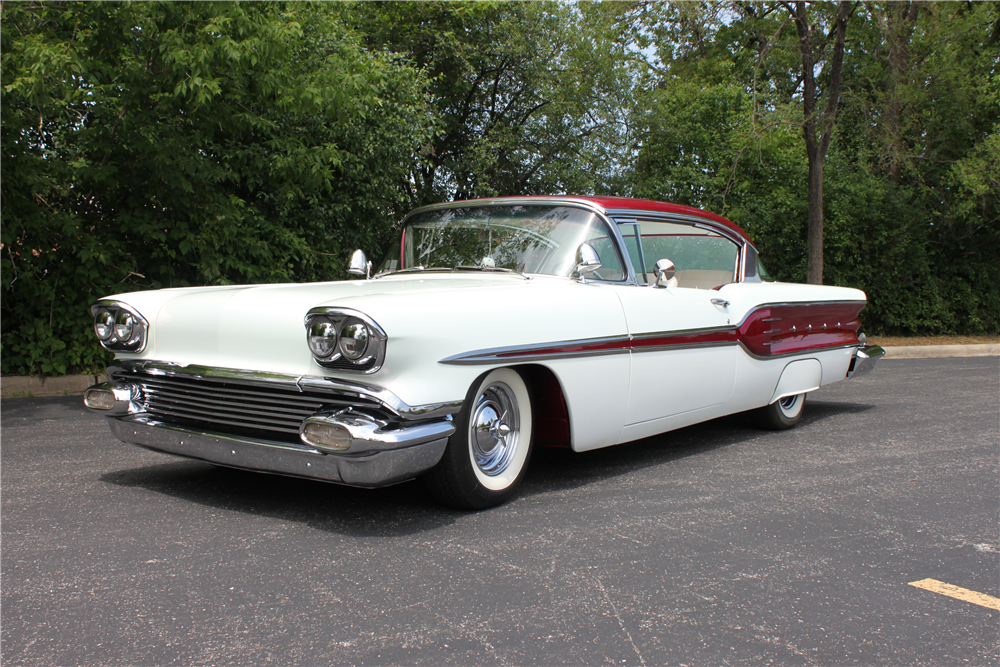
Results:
798 377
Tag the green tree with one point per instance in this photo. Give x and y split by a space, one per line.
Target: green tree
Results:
910 203
151 145
527 96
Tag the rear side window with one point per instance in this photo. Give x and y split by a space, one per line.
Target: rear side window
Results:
702 258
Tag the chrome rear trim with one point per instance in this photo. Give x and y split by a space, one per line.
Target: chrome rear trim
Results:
864 360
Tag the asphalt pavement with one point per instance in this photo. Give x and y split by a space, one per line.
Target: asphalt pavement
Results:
714 545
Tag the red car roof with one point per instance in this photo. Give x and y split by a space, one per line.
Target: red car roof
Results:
611 203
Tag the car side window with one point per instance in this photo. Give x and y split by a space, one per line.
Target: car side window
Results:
702 258
611 267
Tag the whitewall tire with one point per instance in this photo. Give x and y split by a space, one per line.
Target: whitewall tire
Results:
783 413
487 455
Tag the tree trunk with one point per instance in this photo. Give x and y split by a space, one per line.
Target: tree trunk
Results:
814 263
817 127
897 24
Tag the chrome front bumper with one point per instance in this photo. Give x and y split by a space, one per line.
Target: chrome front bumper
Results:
365 469
352 434
864 360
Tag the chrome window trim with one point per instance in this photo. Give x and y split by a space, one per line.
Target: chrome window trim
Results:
681 218
301 383
610 217
743 277
635 217
572 202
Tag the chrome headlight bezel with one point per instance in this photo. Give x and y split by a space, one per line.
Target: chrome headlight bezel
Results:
344 320
128 330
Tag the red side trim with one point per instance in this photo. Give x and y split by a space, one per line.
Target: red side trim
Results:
692 338
772 330
766 331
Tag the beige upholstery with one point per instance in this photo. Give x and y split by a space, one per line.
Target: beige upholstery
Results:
703 278
651 279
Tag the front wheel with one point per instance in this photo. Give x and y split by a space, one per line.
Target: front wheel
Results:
487 455
783 413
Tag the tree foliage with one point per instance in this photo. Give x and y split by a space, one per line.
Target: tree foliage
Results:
528 96
910 202
151 145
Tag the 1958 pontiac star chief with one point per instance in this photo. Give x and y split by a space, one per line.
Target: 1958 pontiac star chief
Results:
492 327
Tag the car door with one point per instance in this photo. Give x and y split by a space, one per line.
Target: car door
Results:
683 340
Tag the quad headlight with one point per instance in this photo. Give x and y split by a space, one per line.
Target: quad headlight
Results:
354 336
119 327
322 338
104 325
345 339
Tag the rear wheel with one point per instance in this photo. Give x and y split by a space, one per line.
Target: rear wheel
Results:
487 455
783 413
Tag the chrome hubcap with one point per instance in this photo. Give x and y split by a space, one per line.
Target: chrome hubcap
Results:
789 405
494 429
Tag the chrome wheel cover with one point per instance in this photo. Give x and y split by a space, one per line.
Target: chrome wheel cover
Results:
791 405
494 429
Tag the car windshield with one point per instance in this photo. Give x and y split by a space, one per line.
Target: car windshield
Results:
525 239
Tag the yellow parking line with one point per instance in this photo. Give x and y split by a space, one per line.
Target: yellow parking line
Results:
935 586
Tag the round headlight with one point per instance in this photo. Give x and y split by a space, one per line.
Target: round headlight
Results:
322 338
104 325
354 338
124 326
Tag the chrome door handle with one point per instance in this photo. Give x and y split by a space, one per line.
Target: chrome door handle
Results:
721 302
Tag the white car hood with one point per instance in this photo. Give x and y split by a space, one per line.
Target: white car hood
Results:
430 316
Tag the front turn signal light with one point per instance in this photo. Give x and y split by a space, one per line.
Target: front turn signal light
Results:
99 399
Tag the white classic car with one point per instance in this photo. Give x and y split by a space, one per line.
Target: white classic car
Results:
494 326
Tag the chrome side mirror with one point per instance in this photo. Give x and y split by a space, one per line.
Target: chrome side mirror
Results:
360 266
587 260
664 271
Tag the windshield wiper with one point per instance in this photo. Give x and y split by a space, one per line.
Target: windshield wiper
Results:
485 268
492 269
414 269
439 269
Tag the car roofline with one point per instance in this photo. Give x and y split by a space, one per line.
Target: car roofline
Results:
607 206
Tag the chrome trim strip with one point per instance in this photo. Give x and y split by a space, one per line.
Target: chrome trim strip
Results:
375 469
619 344
616 345
539 351
794 353
776 304
300 383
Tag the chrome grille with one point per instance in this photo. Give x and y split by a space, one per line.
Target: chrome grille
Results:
237 408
